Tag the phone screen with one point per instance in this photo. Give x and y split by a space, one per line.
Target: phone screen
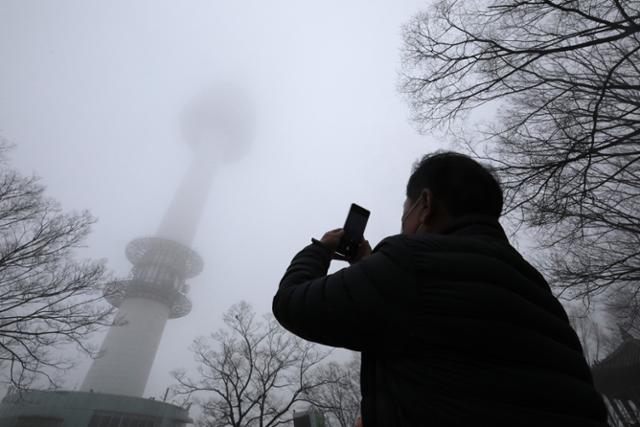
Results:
353 230
356 221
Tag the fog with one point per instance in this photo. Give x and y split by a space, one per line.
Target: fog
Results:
91 94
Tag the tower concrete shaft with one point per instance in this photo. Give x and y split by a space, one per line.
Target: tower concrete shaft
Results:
128 351
180 221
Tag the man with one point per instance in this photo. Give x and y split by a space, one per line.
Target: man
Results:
454 327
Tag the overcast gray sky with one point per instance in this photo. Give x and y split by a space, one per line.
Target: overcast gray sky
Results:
91 93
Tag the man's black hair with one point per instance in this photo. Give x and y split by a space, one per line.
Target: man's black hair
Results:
461 184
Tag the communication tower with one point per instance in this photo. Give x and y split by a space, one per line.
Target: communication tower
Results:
156 290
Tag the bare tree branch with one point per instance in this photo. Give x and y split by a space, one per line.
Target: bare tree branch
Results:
339 399
251 372
48 299
565 137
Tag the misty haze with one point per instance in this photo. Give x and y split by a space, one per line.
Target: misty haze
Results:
162 163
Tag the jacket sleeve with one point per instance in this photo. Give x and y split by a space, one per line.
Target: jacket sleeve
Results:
356 307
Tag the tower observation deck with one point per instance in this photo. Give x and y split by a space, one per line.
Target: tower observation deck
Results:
216 127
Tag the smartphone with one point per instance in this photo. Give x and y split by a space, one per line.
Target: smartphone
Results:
353 231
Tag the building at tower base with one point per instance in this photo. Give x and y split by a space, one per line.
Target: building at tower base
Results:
36 408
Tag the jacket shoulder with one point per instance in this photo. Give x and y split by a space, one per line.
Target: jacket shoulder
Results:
403 248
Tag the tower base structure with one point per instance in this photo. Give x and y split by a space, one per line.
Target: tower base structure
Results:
36 408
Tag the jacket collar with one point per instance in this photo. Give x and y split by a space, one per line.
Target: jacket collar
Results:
474 225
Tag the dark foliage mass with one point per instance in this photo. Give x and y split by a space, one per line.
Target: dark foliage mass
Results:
565 78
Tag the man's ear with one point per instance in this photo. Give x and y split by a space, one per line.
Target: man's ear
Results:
427 211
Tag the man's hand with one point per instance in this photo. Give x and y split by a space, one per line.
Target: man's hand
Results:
364 250
331 240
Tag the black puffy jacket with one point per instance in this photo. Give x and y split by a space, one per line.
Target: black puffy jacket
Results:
455 329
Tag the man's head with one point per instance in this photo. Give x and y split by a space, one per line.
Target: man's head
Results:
447 185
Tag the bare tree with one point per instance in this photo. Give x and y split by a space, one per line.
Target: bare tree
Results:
564 78
595 332
48 299
250 372
623 310
339 398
